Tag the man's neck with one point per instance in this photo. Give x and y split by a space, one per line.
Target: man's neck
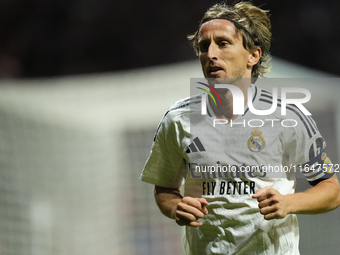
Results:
225 111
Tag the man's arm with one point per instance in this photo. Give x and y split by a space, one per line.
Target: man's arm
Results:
185 210
321 198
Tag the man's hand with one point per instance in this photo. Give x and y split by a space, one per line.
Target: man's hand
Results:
185 210
272 204
189 210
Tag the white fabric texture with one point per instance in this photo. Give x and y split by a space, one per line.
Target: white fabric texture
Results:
186 141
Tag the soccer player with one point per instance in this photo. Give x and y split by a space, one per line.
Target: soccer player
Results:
221 181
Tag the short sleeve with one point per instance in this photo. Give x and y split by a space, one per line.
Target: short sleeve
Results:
166 165
305 149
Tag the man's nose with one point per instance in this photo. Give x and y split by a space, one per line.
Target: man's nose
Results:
212 51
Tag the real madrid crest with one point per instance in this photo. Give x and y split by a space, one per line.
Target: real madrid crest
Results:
256 142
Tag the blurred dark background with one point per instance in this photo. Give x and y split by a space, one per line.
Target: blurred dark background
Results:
50 38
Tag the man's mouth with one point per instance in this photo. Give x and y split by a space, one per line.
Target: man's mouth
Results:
215 70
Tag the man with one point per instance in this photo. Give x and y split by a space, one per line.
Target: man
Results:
236 211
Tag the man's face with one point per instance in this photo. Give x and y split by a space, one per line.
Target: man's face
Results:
221 53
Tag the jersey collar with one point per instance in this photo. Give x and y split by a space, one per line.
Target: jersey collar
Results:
255 98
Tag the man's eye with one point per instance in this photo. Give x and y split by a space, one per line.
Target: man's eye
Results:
204 47
224 43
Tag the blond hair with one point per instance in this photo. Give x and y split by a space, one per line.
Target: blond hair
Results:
253 24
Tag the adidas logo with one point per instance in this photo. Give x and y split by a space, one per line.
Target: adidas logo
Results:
195 146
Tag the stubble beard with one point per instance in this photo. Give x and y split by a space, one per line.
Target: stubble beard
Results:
237 74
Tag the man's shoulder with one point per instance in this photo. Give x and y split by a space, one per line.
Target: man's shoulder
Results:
183 106
267 98
293 117
178 115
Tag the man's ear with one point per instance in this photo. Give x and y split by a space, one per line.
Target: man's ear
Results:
254 57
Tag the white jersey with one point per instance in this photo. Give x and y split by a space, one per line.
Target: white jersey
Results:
226 164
